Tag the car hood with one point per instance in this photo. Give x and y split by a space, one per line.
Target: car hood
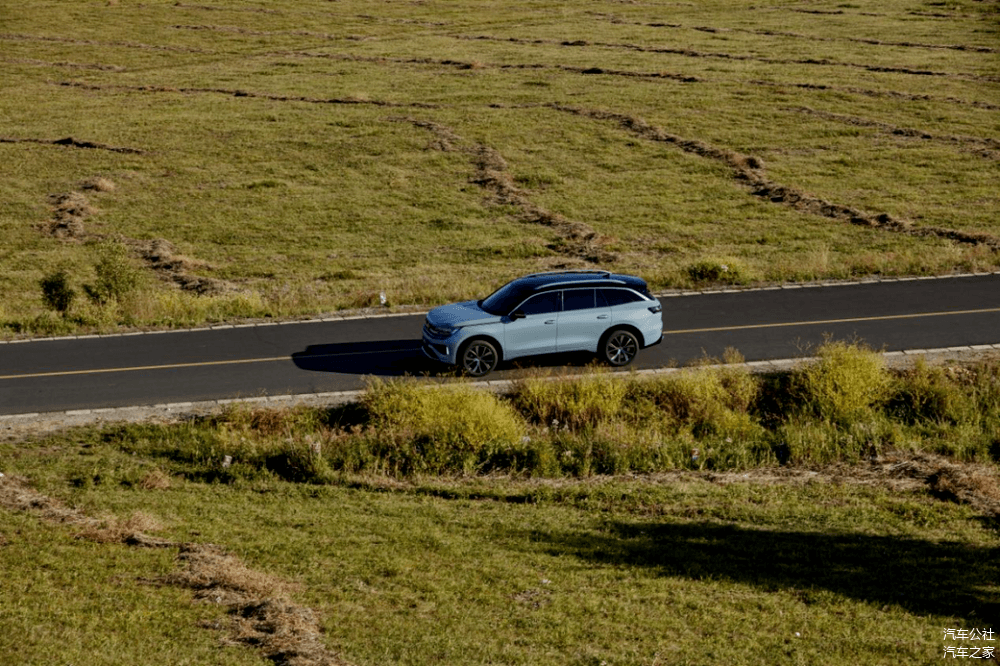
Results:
466 313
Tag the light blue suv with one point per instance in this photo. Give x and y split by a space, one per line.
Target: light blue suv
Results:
611 315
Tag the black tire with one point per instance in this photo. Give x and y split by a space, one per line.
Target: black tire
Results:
619 347
478 358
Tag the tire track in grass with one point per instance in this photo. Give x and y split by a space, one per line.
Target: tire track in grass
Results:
691 53
262 616
273 97
93 42
750 170
577 239
70 142
797 35
475 64
988 148
684 78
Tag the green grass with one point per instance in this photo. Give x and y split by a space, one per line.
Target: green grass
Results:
300 206
809 517
675 570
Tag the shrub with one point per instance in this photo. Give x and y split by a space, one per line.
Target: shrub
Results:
726 271
57 292
117 277
452 428
929 394
843 384
574 403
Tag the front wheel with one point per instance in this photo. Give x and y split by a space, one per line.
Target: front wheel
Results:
619 348
478 358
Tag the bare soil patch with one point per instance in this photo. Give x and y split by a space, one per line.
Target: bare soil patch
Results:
69 210
162 258
987 147
798 35
750 169
74 143
261 614
249 94
579 240
691 53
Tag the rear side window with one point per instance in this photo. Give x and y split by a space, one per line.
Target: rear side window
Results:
541 303
620 296
578 299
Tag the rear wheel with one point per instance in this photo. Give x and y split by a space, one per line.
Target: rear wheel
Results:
619 348
478 358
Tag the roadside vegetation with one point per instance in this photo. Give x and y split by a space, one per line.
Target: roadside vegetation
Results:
841 513
284 161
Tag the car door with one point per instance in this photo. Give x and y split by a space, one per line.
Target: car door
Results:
584 318
535 333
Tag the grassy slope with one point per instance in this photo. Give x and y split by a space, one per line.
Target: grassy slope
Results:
677 571
311 206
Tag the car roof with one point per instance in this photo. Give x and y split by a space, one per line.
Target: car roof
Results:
562 279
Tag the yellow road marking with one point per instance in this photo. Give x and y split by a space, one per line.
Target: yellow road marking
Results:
196 364
715 329
820 322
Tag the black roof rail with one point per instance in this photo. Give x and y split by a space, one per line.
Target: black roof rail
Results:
571 283
572 270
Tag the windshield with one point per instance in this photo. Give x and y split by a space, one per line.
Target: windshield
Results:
505 299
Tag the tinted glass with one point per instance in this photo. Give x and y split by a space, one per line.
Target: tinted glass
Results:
541 304
620 296
578 299
504 299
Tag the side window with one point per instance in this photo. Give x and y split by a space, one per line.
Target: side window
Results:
620 296
578 299
541 303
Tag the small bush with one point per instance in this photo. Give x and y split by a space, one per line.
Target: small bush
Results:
57 292
928 394
117 277
453 428
843 384
574 403
713 271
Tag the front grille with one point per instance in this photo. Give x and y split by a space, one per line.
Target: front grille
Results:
432 331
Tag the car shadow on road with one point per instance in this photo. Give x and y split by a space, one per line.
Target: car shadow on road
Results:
921 576
388 358
396 358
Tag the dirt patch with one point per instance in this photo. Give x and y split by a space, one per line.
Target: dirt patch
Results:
972 484
472 65
986 147
73 143
162 258
691 53
69 210
261 615
263 33
576 239
250 94
93 42
797 35
65 65
750 170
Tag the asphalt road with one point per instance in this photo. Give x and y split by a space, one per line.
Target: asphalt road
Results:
314 357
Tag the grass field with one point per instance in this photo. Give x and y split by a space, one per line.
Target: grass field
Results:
273 160
779 567
839 514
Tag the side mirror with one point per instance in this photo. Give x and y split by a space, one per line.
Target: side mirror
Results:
517 314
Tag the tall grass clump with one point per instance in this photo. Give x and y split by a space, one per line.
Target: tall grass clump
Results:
117 276
844 384
576 403
441 429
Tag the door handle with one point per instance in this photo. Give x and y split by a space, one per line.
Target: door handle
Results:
550 321
603 316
